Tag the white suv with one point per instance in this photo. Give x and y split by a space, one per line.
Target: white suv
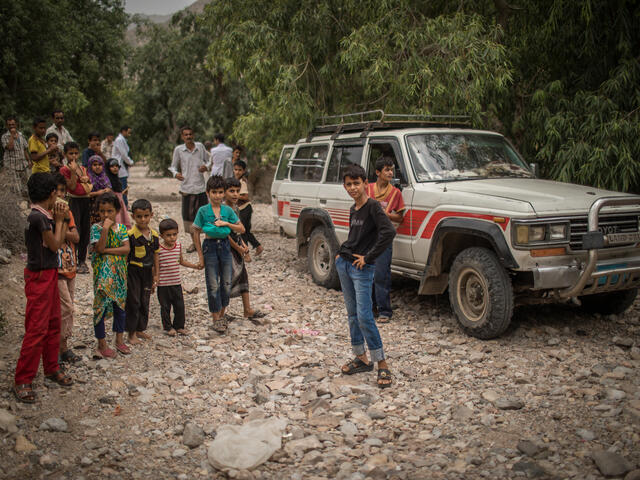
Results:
477 222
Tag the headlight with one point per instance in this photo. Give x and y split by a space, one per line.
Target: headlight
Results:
557 232
541 233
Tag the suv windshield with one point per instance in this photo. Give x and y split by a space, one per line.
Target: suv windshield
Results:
460 156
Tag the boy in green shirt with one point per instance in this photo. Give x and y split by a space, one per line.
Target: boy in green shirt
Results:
216 221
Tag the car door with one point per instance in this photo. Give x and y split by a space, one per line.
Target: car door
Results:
282 174
332 196
390 146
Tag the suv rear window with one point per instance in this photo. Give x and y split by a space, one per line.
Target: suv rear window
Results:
308 163
341 158
283 166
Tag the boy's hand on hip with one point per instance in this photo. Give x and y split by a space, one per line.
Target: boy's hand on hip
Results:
359 262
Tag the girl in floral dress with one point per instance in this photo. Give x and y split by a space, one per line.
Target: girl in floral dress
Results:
110 247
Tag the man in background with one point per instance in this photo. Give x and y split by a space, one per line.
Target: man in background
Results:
121 153
17 159
221 154
58 128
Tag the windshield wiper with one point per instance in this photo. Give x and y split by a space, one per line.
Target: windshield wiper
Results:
459 179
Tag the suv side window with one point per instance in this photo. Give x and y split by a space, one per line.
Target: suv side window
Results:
389 148
283 166
308 163
341 158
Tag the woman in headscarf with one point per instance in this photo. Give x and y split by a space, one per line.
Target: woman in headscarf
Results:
113 166
100 182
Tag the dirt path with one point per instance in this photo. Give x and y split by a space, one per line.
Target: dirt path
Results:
535 403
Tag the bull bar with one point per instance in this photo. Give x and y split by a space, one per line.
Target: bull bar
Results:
615 278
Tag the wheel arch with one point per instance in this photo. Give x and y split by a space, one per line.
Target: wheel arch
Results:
309 219
454 235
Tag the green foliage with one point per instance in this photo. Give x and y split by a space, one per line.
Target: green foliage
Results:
66 54
304 59
173 87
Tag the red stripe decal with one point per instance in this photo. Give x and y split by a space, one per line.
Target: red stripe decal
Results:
281 205
411 222
437 216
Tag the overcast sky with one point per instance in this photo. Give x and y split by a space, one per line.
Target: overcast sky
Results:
158 7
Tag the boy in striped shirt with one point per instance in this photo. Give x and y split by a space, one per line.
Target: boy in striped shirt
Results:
169 281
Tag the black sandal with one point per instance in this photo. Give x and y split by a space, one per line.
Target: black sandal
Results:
220 326
356 366
60 378
24 393
69 357
384 375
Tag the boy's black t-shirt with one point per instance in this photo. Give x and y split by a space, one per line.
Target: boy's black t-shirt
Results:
370 232
39 256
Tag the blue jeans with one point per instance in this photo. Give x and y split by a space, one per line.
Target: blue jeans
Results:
124 181
217 272
356 289
119 320
382 283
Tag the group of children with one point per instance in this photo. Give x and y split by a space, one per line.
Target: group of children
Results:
128 264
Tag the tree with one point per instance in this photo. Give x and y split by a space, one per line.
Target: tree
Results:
306 58
66 54
174 87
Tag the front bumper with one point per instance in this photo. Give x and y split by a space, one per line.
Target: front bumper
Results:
592 276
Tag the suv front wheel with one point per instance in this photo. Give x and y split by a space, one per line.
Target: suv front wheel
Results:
480 293
321 259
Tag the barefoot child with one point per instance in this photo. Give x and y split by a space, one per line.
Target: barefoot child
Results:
78 186
44 235
370 233
66 275
110 245
245 210
240 253
216 221
169 280
142 274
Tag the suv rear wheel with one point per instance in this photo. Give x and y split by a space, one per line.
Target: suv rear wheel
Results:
610 302
321 258
480 293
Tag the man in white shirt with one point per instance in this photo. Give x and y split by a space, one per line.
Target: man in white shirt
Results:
58 128
188 166
221 154
107 145
121 153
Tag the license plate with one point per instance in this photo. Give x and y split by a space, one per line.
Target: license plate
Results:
618 238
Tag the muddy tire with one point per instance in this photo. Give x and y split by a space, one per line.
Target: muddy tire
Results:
609 303
321 258
480 293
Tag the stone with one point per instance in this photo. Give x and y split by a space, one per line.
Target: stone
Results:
586 435
611 464
192 435
462 413
623 341
47 461
490 396
529 468
179 452
23 445
375 414
504 403
303 445
633 475
347 428
615 395
528 448
54 425
86 461
8 421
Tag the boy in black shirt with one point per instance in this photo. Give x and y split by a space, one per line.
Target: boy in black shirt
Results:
370 234
142 271
44 235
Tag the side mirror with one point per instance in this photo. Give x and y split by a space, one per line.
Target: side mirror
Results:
396 183
534 169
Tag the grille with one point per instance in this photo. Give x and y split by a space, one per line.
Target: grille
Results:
607 223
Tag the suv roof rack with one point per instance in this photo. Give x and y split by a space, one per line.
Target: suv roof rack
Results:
378 120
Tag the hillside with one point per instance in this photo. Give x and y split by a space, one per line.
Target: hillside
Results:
195 7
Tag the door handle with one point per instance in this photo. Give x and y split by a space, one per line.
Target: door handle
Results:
323 201
295 200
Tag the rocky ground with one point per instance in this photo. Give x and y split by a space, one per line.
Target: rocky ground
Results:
558 396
